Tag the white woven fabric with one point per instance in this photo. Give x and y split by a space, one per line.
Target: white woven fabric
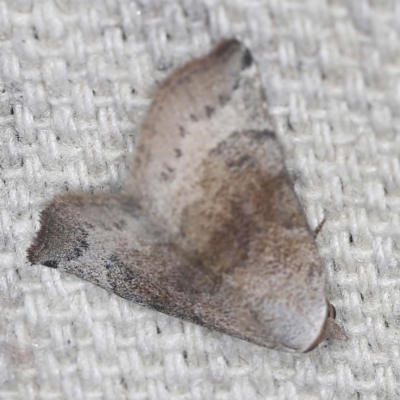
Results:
76 78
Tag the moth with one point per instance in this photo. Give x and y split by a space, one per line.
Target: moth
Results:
208 228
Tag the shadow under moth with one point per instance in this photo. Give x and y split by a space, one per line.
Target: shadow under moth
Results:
208 228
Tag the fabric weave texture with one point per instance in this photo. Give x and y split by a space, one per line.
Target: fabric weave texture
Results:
76 78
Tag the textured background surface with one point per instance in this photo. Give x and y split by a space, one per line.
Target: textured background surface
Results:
75 80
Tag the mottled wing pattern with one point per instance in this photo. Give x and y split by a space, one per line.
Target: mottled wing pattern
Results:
209 228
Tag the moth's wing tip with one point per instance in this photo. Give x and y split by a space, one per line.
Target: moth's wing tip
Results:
233 45
33 252
225 45
47 218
